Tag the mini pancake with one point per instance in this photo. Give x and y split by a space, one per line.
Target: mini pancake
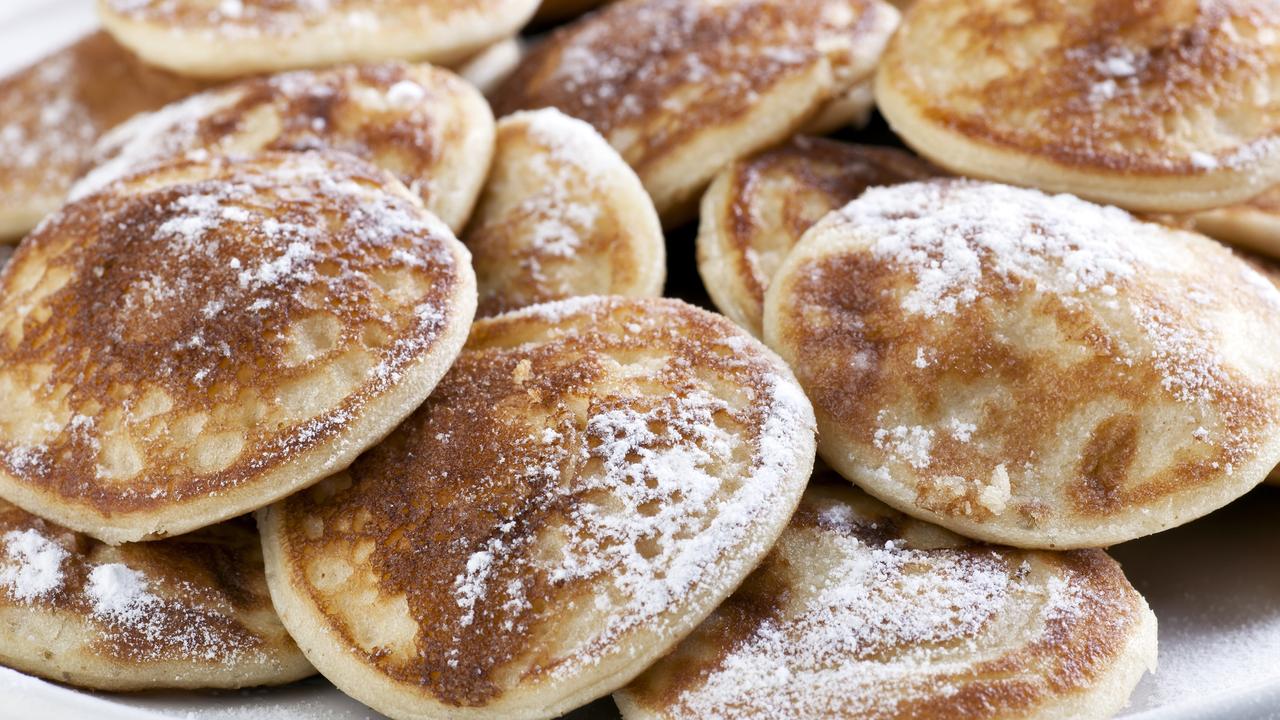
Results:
863 612
52 112
1269 268
588 482
683 88
562 215
426 125
756 210
487 69
190 612
231 38
853 109
204 338
1161 106
1030 369
1253 224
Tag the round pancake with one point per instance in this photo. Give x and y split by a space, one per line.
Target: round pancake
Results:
1269 268
488 68
53 111
756 210
1161 106
854 109
682 88
862 612
426 125
1253 224
588 482
189 612
1030 369
206 337
231 38
562 215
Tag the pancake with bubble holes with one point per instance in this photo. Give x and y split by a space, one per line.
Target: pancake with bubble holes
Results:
232 38
587 483
425 125
188 612
204 338
756 210
562 215
1160 106
53 111
683 88
1030 369
863 612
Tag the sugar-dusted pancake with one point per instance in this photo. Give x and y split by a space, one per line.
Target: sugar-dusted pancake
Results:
684 87
562 215
229 38
189 612
588 482
206 337
487 69
1161 106
1030 369
1254 224
863 612
757 208
52 112
426 125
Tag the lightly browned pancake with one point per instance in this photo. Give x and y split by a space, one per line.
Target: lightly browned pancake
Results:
756 210
425 125
232 38
53 111
1030 369
562 216
863 612
1253 224
189 612
681 88
1156 106
206 337
591 478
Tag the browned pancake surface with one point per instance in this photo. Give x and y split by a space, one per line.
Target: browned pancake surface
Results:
863 612
52 113
170 342
187 612
585 483
425 125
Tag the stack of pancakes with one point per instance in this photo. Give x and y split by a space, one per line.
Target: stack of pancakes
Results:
318 356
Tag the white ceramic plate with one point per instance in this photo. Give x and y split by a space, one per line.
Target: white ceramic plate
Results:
1214 584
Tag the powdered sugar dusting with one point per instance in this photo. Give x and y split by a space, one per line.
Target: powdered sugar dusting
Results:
883 625
32 565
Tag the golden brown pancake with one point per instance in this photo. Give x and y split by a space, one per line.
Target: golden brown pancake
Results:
206 337
562 215
682 88
231 38
588 482
425 125
1253 224
863 612
52 112
487 69
1030 369
1158 106
756 210
189 612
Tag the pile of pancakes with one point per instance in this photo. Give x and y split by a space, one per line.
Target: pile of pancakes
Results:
334 341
